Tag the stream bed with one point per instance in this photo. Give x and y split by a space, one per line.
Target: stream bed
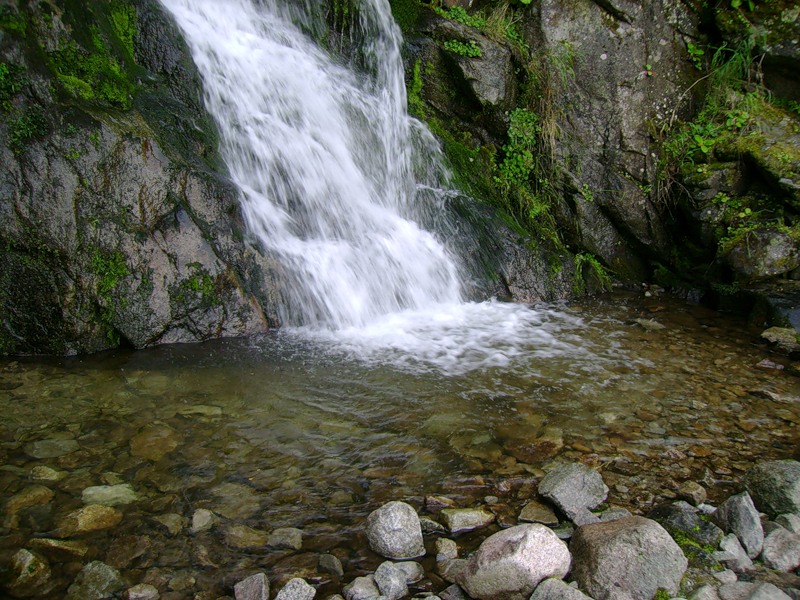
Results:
285 431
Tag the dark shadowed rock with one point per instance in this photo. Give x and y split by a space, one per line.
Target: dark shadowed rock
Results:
684 518
626 558
509 564
775 486
739 516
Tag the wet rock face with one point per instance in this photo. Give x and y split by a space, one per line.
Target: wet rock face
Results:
629 70
118 227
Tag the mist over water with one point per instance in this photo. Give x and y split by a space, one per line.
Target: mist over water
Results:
342 187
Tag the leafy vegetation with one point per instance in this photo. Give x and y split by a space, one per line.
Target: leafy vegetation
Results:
26 126
467 49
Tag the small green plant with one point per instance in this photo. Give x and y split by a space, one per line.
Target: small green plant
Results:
648 70
458 13
30 124
12 21
468 50
751 5
696 54
523 132
110 269
584 261
72 154
587 193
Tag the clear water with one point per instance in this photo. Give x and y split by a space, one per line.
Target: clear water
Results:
291 431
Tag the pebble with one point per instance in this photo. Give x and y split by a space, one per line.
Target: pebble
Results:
92 517
203 520
536 512
109 495
466 519
51 448
289 538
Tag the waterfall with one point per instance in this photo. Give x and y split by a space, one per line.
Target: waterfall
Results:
335 176
344 190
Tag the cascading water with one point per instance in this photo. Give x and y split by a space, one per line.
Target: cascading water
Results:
335 180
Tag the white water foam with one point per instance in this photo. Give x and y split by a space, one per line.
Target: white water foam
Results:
336 182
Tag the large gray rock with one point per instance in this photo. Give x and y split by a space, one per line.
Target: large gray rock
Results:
97 580
509 564
391 581
775 486
739 516
556 589
782 550
394 531
255 587
574 488
296 589
626 558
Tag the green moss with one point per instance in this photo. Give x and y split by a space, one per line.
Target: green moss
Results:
406 13
12 80
92 74
123 21
199 285
13 21
24 127
588 269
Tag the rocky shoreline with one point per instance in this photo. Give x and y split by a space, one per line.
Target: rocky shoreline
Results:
565 543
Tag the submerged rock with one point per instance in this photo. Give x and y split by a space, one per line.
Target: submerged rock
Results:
154 441
34 495
92 517
289 538
52 448
626 558
109 495
29 575
509 564
394 531
96 581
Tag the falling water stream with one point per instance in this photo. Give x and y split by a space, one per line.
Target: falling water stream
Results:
385 384
348 192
